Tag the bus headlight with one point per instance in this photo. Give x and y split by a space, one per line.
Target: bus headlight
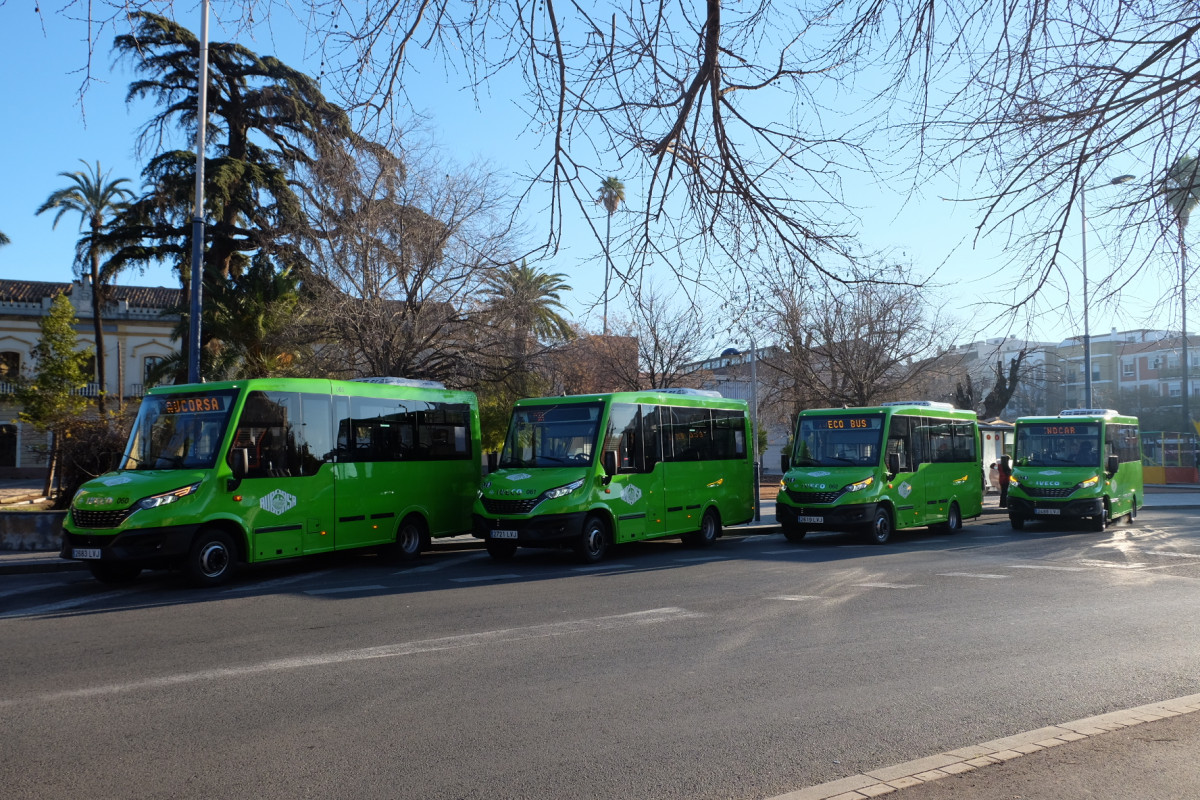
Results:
858 487
562 491
1090 482
154 501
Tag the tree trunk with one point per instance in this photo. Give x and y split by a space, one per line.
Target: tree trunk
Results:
98 327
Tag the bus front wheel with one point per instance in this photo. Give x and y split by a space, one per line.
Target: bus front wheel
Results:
1100 521
1018 523
710 529
881 528
593 541
212 559
794 533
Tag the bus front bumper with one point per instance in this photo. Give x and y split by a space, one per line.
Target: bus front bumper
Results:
550 530
834 518
1055 509
147 547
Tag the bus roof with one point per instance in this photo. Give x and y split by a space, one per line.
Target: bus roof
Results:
928 407
671 397
1085 414
366 388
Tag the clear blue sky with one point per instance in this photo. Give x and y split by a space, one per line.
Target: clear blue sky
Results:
41 61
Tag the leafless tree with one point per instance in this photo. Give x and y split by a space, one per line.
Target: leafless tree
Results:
401 251
670 337
856 344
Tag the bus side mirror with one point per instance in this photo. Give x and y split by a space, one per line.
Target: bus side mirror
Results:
240 464
785 463
493 462
893 463
609 460
1112 464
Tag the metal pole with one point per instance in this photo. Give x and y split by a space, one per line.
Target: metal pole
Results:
197 283
754 419
1188 428
1087 339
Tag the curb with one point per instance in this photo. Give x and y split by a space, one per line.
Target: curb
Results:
943 765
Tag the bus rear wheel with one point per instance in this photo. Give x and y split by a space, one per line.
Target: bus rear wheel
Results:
593 541
212 559
710 529
114 573
880 529
409 538
953 523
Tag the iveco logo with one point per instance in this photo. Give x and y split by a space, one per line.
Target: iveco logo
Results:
99 501
814 486
1045 483
513 491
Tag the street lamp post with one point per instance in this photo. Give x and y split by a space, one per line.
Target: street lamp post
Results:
197 282
1087 338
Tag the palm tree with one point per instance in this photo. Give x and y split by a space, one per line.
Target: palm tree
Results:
1182 191
97 200
612 194
4 239
527 303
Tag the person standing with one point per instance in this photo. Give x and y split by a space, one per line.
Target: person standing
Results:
1005 470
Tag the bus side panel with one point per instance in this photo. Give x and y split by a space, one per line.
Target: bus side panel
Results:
686 490
445 488
908 496
635 501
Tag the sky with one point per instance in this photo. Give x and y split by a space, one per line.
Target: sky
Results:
41 60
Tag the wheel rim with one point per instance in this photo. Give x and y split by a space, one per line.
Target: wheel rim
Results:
410 538
594 540
708 528
883 527
214 559
955 518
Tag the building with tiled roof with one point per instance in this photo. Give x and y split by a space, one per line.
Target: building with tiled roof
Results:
138 326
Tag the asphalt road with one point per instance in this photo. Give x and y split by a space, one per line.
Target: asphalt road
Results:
747 670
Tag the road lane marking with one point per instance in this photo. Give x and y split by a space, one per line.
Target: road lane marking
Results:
633 619
699 559
345 589
483 578
1047 566
441 564
1110 564
37 587
798 598
64 605
971 575
889 585
601 567
276 583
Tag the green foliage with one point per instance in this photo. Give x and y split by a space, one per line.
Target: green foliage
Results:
46 399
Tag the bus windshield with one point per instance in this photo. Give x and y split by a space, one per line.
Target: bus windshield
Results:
552 435
179 431
839 441
1058 443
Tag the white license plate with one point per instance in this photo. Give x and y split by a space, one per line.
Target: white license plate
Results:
504 534
1050 511
811 520
86 552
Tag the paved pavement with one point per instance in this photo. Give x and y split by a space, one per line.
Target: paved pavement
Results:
1149 751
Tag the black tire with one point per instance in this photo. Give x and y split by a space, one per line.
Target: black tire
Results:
794 533
1132 510
212 559
880 529
710 529
1099 523
593 541
953 523
1018 523
501 549
113 572
410 537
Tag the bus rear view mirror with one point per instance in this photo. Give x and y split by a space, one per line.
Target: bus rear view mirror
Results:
239 462
493 462
1112 464
609 460
893 463
785 463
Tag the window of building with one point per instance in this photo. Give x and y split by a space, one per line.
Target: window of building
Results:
10 365
1127 369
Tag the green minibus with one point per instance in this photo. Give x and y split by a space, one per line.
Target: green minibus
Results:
216 474
879 469
588 471
1086 463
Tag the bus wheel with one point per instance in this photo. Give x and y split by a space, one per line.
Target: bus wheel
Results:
1018 523
501 549
953 523
212 559
593 541
710 529
1132 510
108 572
881 529
409 537
794 533
1100 521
